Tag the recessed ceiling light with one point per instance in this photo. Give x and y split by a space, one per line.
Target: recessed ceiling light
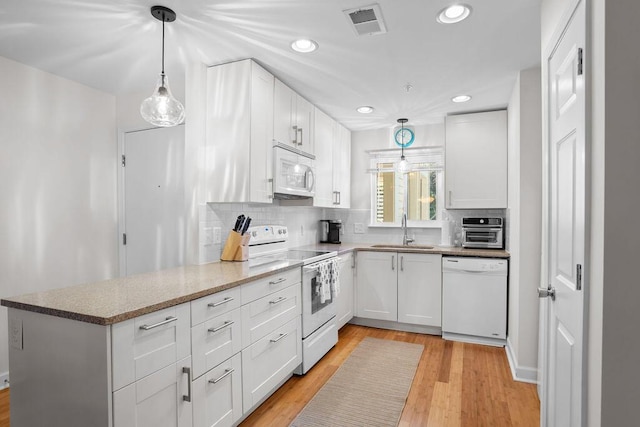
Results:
365 109
461 98
454 13
304 45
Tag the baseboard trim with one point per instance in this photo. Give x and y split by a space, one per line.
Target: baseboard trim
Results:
519 373
4 380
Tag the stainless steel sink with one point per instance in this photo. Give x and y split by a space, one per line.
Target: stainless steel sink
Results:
402 246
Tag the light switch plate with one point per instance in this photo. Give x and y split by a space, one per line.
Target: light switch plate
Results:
358 228
208 236
216 235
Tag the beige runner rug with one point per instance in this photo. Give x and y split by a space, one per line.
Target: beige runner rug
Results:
369 389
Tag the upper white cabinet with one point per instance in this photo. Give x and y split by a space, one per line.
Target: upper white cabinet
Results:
332 143
292 119
342 168
476 160
239 131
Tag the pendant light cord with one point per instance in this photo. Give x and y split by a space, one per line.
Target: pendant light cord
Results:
163 20
402 139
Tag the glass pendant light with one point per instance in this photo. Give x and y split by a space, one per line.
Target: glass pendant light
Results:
403 166
161 108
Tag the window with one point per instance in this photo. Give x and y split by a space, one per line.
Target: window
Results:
419 193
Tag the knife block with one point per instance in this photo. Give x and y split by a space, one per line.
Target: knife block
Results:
236 247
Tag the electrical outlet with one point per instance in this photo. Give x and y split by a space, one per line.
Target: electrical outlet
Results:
217 231
358 228
208 236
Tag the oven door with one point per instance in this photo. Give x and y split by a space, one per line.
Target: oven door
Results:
315 313
294 175
482 237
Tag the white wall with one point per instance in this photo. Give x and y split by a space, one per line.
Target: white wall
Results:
58 222
524 228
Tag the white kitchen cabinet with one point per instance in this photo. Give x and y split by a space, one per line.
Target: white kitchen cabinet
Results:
215 340
162 399
399 287
269 361
476 160
344 301
324 136
377 285
217 396
147 343
333 163
342 168
292 119
420 289
239 131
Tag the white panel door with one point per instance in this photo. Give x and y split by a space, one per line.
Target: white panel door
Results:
154 220
420 289
377 285
325 134
566 112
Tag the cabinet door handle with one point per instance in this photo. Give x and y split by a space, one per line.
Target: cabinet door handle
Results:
339 197
227 372
270 181
294 141
279 338
402 263
224 301
155 325
280 280
187 371
278 301
224 325
301 136
393 262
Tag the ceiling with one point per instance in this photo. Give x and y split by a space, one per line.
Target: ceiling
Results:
114 46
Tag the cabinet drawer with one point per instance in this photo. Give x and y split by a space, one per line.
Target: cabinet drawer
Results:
215 340
161 399
148 343
266 314
269 361
208 307
259 288
217 395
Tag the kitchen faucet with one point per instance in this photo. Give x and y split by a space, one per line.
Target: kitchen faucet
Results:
405 239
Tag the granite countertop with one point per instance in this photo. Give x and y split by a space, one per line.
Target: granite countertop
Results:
116 300
342 248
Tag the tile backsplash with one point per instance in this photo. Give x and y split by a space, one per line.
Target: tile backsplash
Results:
303 224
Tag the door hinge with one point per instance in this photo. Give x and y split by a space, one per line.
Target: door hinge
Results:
580 62
124 238
579 277
124 160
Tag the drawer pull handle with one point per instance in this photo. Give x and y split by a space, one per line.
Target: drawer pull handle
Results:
279 338
155 325
224 325
280 280
187 371
278 301
224 301
227 372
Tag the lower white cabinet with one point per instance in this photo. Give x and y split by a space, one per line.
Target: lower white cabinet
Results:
269 361
399 287
377 285
344 301
217 395
161 399
215 340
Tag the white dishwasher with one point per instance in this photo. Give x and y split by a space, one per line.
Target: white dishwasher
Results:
474 300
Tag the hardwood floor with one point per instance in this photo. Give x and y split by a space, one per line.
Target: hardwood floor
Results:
455 385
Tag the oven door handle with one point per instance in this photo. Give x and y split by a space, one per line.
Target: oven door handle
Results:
481 229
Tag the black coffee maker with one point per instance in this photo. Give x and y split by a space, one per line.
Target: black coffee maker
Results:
330 230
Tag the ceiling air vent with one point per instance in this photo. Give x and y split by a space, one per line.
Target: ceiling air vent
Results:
366 20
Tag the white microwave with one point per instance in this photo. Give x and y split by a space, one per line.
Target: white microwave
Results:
293 174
